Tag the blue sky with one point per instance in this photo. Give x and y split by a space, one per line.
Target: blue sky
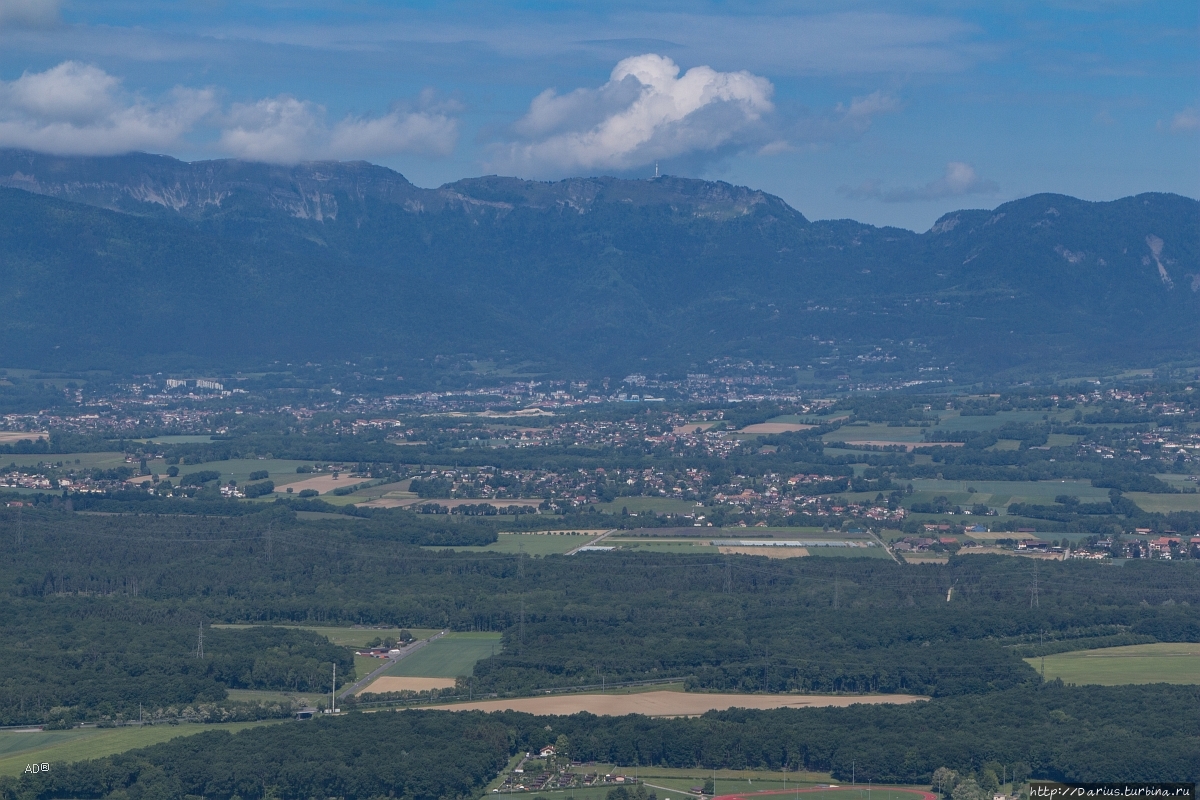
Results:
890 113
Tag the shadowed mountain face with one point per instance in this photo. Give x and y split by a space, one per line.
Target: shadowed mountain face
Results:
144 261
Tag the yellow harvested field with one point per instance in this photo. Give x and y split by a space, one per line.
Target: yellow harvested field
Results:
769 552
926 559
322 483
775 427
8 437
404 684
670 704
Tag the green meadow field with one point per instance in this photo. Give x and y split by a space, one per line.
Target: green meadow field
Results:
19 748
453 655
530 544
1113 666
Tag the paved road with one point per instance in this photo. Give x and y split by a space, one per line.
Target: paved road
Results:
387 664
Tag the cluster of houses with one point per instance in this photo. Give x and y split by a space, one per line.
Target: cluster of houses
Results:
923 544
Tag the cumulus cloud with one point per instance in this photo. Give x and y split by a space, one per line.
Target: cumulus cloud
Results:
80 109
645 112
286 130
959 179
28 12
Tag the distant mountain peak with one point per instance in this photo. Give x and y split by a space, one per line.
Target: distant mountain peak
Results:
321 190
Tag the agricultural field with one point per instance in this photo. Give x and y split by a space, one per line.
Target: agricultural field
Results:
20 748
1114 666
660 703
279 470
675 545
452 655
659 505
1165 503
543 544
954 421
876 434
106 460
349 636
999 494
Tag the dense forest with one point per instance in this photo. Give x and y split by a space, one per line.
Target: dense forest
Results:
744 624
1144 733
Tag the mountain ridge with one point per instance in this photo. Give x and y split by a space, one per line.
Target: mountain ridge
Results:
245 263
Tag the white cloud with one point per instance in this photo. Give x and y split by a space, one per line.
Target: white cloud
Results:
80 109
286 130
645 112
1186 121
28 12
959 179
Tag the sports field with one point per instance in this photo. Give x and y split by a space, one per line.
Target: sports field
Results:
448 657
1112 666
18 748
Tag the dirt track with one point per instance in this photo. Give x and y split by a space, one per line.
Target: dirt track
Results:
669 704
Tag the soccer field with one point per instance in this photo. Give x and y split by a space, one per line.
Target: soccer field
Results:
1112 666
453 655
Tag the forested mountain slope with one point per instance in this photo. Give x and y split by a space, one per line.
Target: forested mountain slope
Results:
143 261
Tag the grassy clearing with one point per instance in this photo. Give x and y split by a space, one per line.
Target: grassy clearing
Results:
848 552
999 494
19 749
255 695
659 505
1062 440
1165 503
453 655
1113 666
86 460
534 545
875 433
952 421
350 636
685 547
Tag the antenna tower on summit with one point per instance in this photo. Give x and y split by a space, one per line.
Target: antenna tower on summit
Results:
656 169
